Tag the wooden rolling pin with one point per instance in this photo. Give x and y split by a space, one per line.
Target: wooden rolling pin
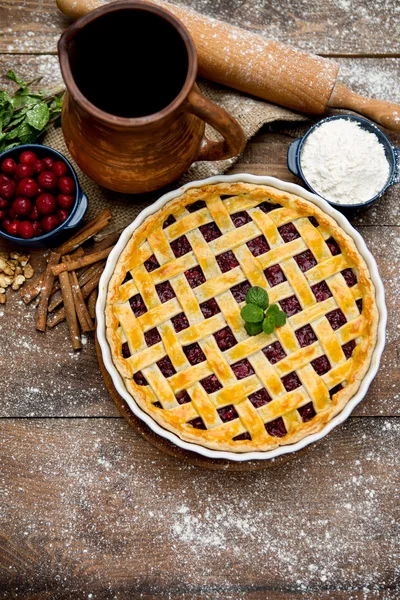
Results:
265 68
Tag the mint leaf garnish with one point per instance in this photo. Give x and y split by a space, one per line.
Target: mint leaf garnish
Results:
252 313
268 324
253 328
280 319
256 295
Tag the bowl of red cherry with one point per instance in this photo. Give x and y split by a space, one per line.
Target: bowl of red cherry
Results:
40 196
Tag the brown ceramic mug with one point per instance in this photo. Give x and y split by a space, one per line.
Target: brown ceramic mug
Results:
133 118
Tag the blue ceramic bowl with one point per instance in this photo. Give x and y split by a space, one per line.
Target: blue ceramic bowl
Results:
392 154
53 238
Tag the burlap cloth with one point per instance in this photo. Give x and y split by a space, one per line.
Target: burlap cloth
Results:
251 114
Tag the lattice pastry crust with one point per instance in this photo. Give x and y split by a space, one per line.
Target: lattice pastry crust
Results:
177 338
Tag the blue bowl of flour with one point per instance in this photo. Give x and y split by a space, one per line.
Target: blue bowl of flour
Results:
344 164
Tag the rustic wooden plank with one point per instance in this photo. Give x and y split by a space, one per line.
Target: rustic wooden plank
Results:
358 27
89 510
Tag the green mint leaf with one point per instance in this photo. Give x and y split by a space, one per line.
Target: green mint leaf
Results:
272 310
253 328
268 324
38 116
280 319
12 76
252 313
26 133
258 296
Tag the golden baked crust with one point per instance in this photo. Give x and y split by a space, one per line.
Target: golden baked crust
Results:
338 353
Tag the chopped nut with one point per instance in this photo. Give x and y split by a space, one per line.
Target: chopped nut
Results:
4 255
12 263
28 271
2 290
4 266
2 298
18 281
5 280
18 270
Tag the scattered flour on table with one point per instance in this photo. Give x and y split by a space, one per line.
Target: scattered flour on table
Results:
344 163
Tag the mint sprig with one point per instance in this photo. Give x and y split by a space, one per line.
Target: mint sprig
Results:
259 315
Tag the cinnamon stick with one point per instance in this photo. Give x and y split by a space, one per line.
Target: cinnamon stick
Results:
31 289
99 222
57 317
47 284
86 260
69 309
85 320
108 240
92 303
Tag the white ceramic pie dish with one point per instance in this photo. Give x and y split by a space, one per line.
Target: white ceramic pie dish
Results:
286 449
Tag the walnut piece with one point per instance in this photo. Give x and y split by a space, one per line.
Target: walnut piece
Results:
14 270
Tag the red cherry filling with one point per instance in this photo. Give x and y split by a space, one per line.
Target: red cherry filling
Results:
128 277
151 264
274 275
240 218
152 337
359 304
180 322
242 369
140 379
266 207
333 246
305 260
259 398
209 308
307 412
348 348
168 221
183 397
305 336
313 221
195 276
274 352
288 232
321 291
291 381
240 290
227 261
335 389
290 306
225 339
227 413
349 277
125 350
137 305
157 404
181 246
195 206
194 354
166 367
211 384
242 437
197 423
336 318
210 231
276 427
321 365
258 245
165 291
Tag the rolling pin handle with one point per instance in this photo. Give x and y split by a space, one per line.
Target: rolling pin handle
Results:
292 157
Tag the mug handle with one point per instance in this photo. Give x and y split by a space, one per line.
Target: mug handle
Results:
234 139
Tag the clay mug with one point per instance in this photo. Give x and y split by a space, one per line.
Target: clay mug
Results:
133 117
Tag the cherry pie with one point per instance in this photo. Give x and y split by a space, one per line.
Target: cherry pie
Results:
179 342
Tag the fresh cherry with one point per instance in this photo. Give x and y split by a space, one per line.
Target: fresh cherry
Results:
40 190
46 204
62 215
59 168
4 203
27 187
48 161
7 188
8 166
12 213
3 214
22 207
28 158
37 229
65 201
47 180
34 214
12 228
23 170
66 185
39 167
25 229
5 223
50 222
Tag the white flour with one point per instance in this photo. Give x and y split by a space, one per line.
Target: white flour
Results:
344 163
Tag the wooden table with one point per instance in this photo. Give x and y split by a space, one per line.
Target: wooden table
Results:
91 510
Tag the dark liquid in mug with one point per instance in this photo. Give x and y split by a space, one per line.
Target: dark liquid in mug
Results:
129 63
